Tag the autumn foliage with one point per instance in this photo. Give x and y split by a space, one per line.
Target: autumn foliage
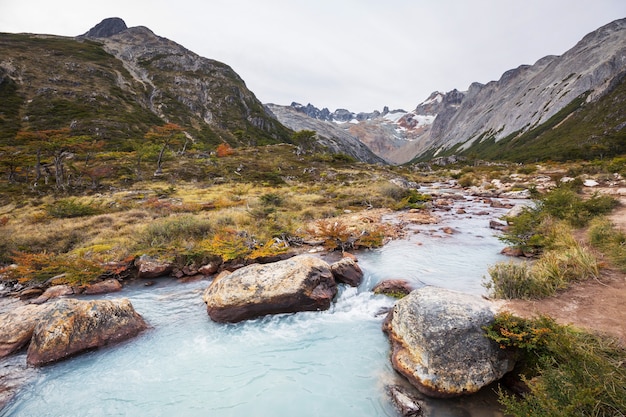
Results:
224 149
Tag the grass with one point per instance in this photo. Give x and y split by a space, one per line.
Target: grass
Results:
568 372
555 270
611 241
200 208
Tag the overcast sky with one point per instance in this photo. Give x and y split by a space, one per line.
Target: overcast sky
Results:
354 54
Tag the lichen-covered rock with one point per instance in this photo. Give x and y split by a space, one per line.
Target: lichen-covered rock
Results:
71 326
439 345
347 271
301 283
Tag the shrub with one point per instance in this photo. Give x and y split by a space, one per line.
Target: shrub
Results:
565 204
271 199
568 372
467 180
226 244
69 208
40 267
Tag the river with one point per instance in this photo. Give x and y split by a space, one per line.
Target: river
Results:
330 363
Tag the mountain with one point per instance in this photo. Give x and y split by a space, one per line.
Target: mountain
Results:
387 134
531 96
329 135
514 117
115 82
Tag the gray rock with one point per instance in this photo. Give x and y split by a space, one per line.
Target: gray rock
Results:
301 283
439 345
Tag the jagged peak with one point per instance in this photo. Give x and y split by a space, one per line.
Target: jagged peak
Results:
106 28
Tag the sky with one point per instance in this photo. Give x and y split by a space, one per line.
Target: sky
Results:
359 55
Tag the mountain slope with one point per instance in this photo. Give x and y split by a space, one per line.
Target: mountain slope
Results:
329 135
529 96
117 83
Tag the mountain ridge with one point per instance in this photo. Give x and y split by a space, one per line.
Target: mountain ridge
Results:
523 99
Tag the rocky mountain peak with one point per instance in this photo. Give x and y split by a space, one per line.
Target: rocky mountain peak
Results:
107 28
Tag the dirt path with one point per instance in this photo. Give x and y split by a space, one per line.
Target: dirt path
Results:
595 305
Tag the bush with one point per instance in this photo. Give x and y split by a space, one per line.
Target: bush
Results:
69 208
568 372
564 204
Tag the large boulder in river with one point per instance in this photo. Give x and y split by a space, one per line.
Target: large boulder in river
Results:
439 345
71 326
302 283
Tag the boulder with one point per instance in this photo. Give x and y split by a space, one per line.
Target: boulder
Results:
103 287
439 345
301 283
17 326
347 271
71 326
148 267
393 287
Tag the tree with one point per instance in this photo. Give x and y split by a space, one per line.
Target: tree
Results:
56 144
166 136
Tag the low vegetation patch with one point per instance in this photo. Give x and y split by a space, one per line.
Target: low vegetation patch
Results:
611 241
568 372
544 231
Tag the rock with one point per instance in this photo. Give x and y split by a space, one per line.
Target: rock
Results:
498 225
439 345
107 28
149 267
71 326
16 327
210 268
591 183
512 251
393 287
406 403
103 287
347 271
30 293
301 283
521 194
55 291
